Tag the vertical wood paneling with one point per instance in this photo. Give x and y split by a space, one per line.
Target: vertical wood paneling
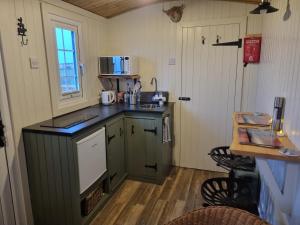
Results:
145 32
65 175
36 177
28 89
96 47
58 179
21 82
149 34
74 180
44 185
53 179
278 73
213 71
32 170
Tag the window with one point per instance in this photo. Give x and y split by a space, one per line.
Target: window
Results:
67 58
65 40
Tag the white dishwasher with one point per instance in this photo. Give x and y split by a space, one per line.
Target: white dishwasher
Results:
91 158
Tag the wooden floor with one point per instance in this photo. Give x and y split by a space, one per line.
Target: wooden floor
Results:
139 203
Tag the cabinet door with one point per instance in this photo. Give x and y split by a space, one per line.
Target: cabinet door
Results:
141 147
116 152
150 146
135 147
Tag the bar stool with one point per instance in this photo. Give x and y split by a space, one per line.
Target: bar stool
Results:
240 189
223 157
223 191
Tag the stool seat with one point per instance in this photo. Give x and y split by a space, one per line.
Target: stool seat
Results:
223 157
224 191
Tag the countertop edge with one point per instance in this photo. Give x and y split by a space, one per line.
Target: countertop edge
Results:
35 128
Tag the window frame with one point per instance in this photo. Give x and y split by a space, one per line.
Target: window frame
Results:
51 18
75 94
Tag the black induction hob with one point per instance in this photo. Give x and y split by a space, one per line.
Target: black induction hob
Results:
69 121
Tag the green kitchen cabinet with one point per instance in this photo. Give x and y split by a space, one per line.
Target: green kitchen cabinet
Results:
54 181
134 148
148 158
116 152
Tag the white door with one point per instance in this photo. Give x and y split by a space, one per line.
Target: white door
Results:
6 204
209 78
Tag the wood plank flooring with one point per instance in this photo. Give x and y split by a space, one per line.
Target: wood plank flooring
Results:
139 203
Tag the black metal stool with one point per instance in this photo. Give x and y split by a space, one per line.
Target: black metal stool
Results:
240 189
223 157
232 192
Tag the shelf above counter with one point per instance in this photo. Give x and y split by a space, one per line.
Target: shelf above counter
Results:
117 78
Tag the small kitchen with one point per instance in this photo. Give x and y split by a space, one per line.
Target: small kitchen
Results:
157 112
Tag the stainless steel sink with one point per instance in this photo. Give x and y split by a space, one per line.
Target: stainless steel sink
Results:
149 106
146 96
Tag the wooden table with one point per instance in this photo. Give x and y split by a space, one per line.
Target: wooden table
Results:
256 151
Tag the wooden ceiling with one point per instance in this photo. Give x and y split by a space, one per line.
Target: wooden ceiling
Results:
111 8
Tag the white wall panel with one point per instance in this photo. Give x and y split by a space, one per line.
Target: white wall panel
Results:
279 75
28 89
250 72
279 71
145 32
149 34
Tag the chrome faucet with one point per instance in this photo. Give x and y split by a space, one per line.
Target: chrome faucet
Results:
152 80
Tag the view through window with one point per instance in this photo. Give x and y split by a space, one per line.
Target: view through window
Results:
67 60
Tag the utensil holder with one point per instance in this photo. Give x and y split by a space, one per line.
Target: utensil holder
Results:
132 99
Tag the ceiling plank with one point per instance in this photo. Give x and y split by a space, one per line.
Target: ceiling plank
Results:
111 8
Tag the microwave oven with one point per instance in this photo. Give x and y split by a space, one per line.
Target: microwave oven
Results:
118 65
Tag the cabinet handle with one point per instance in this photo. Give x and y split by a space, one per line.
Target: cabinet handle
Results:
132 130
110 138
121 132
152 166
113 176
184 99
151 130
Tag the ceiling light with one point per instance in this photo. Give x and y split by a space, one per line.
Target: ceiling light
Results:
264 7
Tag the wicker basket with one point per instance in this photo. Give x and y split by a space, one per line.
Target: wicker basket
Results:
90 201
218 215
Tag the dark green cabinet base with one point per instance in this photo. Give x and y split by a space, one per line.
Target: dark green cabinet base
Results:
116 163
148 158
134 148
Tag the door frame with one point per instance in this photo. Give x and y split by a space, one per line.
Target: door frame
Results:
242 21
10 147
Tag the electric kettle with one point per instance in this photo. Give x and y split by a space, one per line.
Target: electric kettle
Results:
108 97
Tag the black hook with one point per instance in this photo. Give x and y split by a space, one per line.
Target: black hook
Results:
218 39
203 40
22 31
